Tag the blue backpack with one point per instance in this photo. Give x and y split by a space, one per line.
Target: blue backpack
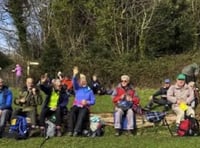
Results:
19 128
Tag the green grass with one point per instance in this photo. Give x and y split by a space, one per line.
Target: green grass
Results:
149 139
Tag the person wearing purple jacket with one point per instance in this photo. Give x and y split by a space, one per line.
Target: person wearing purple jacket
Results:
84 98
18 74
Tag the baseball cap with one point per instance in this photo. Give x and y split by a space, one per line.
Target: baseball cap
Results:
167 81
181 77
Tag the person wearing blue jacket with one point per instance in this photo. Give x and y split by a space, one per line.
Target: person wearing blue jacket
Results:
5 105
84 98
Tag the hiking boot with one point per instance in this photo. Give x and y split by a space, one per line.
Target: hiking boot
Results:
130 132
58 133
31 133
70 134
42 132
75 134
117 132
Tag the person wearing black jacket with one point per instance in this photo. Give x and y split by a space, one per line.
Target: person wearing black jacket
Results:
162 93
55 103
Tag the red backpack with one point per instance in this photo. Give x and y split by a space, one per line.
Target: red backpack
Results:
183 127
188 127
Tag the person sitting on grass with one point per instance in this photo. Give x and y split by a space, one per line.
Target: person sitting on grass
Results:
5 105
162 93
181 95
79 112
96 86
55 103
123 97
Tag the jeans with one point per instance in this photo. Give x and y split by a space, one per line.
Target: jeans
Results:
118 118
5 116
79 119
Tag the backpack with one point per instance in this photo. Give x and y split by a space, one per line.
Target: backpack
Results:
96 126
18 128
188 127
50 129
125 105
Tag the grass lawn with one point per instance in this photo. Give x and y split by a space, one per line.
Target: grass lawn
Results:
149 139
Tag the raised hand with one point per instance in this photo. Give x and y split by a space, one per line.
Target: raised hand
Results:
75 71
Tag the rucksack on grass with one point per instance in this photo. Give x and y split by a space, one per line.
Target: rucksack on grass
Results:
18 128
50 129
96 126
189 127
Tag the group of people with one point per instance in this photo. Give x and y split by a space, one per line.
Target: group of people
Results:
179 96
182 97
57 98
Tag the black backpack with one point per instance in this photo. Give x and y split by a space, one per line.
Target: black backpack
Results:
194 127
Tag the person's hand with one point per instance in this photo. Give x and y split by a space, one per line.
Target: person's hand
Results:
164 96
0 112
75 71
122 97
53 108
151 98
179 101
34 91
84 102
128 98
22 100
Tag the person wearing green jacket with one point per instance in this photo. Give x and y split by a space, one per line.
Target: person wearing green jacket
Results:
191 72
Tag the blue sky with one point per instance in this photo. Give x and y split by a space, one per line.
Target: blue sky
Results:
7 28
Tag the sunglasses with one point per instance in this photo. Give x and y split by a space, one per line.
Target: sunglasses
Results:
124 81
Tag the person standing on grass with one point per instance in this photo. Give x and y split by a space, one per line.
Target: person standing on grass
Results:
124 93
5 105
181 96
84 98
18 74
191 72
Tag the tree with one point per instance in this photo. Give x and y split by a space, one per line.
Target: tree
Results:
172 30
52 58
5 61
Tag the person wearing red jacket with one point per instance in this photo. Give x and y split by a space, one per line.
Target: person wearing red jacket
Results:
124 97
